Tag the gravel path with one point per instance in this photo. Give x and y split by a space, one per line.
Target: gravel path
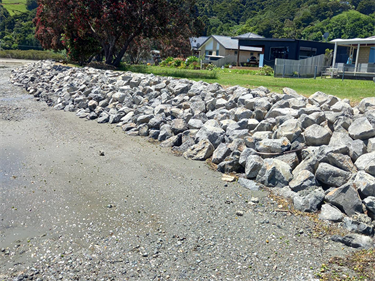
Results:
137 213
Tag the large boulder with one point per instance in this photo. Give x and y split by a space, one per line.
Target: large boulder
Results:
274 173
365 183
366 103
364 160
317 135
346 198
214 134
200 151
330 213
302 181
273 145
220 153
310 202
362 129
331 176
253 165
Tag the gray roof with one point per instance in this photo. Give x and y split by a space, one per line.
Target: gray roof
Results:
196 42
232 44
249 35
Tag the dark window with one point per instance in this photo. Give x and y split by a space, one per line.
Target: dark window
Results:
279 53
306 52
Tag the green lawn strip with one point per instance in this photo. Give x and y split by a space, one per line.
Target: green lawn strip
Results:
15 6
355 90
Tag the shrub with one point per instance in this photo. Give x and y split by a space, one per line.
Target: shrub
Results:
167 61
266 70
191 60
177 63
210 66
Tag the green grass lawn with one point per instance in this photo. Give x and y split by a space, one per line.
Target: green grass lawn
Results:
15 6
355 90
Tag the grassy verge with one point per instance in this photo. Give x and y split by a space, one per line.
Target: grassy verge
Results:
30 55
173 72
15 6
355 90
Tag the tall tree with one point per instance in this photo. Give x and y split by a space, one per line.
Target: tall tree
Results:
111 24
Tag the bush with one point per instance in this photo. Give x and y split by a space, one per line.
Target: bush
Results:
167 61
210 66
191 60
177 63
266 70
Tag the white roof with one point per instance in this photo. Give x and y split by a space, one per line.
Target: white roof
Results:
355 41
232 44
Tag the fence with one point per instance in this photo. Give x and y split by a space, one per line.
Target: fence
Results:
310 67
231 59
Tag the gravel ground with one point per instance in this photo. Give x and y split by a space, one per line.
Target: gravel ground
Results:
137 213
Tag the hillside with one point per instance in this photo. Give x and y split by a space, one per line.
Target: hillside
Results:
303 19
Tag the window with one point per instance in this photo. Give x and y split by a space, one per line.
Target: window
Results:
279 53
208 53
235 52
306 52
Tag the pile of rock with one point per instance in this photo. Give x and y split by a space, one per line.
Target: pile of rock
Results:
319 151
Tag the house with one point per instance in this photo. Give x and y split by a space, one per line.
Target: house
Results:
222 50
284 48
359 61
195 43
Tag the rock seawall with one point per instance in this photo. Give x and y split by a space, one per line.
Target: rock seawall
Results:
318 151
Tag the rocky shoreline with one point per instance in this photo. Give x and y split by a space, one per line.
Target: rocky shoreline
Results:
318 151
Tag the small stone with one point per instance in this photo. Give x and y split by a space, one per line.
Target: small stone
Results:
239 213
254 199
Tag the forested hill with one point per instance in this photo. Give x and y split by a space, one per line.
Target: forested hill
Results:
303 19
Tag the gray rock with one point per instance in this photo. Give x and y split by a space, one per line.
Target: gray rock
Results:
195 124
341 161
143 130
362 129
346 198
370 168
364 160
244 154
330 213
144 118
178 126
356 149
302 181
317 135
242 113
331 176
274 173
310 202
165 132
249 184
310 163
318 98
273 145
220 153
365 184
371 145
253 165
354 240
252 124
200 151
214 134
366 103
290 129
370 204
103 118
340 139
172 141
230 166
290 158
358 227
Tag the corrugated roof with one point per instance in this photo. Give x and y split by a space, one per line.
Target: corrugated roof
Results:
232 44
196 42
369 40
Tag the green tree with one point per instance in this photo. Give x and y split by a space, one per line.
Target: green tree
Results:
31 4
366 7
